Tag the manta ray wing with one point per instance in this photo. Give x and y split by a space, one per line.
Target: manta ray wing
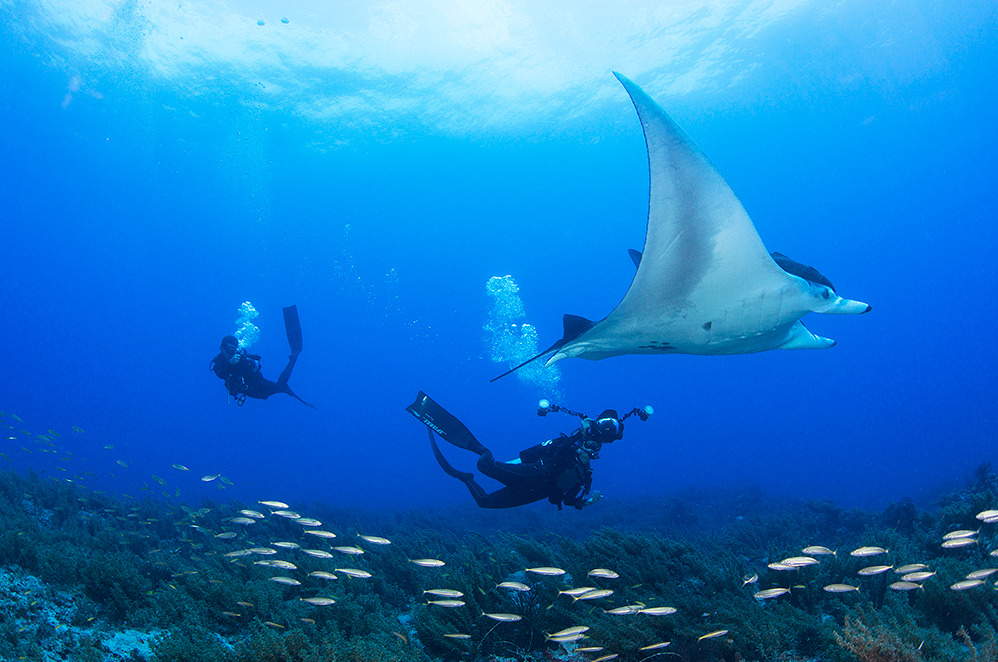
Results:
705 283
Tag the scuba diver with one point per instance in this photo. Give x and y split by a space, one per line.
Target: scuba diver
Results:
241 371
558 469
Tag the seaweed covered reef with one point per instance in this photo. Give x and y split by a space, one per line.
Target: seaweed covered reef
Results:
90 576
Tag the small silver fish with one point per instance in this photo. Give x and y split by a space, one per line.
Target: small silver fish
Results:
318 553
572 592
349 550
594 594
547 571
277 563
660 611
376 540
446 603
274 504
868 551
427 563
513 586
840 588
904 586
982 574
911 567
965 584
286 580
770 593
957 543
963 533
800 561
353 572
505 618
817 550
712 635
322 574
918 576
603 573
319 601
444 592
873 570
567 638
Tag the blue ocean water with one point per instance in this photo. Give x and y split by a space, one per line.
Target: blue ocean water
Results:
377 164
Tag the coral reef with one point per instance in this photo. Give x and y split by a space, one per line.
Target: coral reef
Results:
89 576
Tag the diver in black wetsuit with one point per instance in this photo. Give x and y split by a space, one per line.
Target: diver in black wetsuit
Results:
557 470
241 371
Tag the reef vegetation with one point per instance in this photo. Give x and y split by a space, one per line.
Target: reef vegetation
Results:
94 576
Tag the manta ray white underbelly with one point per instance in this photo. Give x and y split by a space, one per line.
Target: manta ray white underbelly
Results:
705 283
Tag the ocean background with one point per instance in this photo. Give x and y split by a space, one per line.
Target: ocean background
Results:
433 185
376 164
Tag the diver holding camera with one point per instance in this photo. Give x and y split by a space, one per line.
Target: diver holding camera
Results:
240 370
557 469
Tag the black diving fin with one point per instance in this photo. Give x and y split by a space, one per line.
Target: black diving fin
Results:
295 396
462 476
293 328
439 420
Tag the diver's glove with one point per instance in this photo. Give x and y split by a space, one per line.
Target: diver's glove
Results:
593 499
236 357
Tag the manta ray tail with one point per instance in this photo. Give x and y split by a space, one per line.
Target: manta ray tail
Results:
574 326
550 349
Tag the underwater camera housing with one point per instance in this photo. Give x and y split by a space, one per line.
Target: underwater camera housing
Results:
606 427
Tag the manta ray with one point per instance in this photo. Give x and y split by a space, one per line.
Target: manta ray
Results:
705 283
